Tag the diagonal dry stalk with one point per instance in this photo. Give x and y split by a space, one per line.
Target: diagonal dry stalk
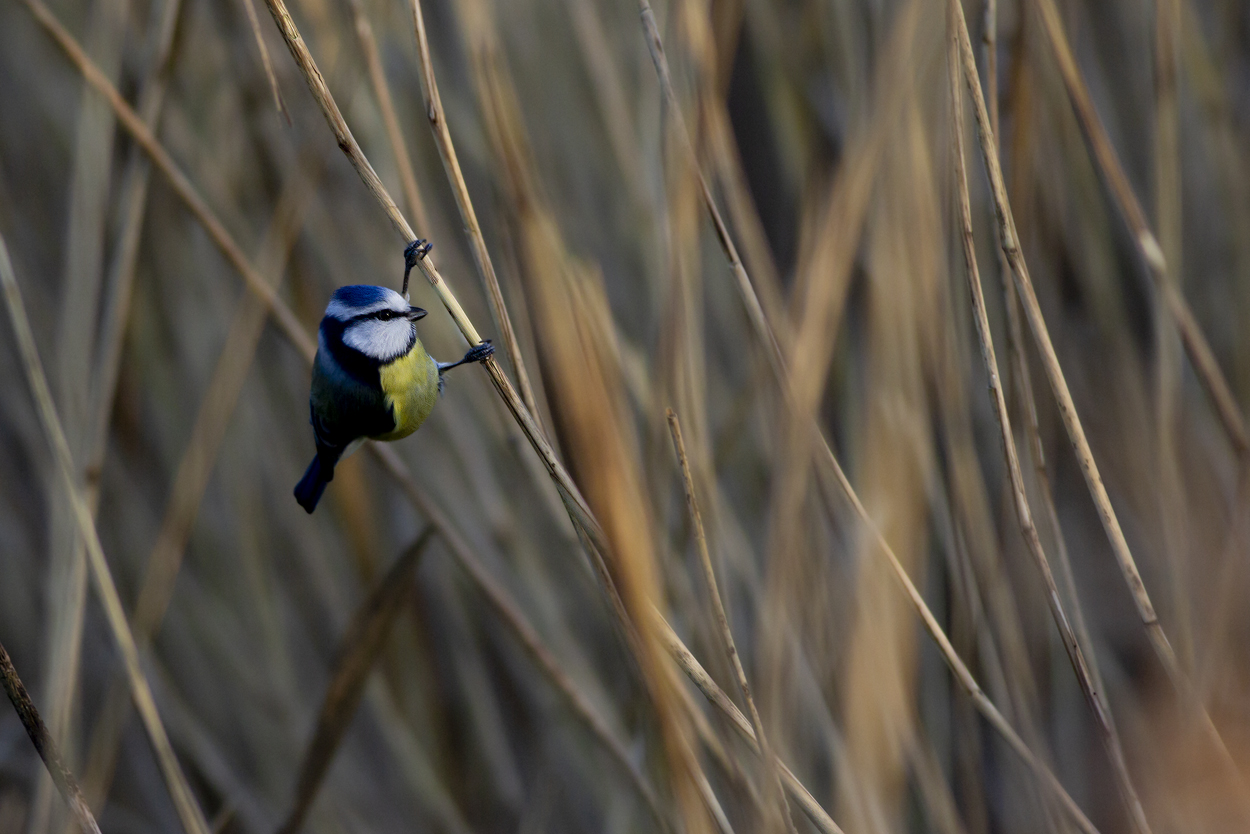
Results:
655 45
460 189
722 620
44 745
831 468
189 812
1024 515
386 104
143 136
1009 240
1196 345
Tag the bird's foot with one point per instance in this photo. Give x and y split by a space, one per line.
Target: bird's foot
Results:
480 353
416 251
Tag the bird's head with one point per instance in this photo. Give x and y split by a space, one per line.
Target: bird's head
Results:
375 321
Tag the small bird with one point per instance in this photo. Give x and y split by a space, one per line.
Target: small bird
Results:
371 377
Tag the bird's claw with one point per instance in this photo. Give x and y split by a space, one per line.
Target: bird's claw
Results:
416 251
479 353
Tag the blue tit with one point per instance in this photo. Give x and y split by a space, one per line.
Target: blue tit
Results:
372 377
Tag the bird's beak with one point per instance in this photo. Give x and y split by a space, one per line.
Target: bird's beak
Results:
414 313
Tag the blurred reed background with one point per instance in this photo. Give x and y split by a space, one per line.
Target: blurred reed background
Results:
440 648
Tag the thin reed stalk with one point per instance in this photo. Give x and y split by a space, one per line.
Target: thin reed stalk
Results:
189 812
1196 344
722 620
1024 515
477 242
42 740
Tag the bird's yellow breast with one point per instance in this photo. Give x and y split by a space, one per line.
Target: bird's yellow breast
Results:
410 385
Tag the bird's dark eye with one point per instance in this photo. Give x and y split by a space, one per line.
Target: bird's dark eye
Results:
386 315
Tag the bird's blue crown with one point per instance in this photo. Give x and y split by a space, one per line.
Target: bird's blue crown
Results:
359 298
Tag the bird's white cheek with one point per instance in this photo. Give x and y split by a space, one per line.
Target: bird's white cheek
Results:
379 339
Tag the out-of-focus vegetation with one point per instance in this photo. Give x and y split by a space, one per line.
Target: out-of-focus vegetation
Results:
454 623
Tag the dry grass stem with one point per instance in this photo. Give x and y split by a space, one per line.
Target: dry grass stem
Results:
253 20
722 620
755 312
44 745
395 136
1192 337
1024 515
455 177
694 670
189 812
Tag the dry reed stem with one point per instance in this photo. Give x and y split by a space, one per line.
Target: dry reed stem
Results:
1168 210
1200 353
189 812
832 467
98 765
1024 515
357 653
253 20
610 97
934 790
1024 389
1009 240
216 409
722 621
42 740
386 104
969 684
460 189
91 148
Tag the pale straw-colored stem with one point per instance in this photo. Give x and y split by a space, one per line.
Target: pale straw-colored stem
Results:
460 189
1196 344
1024 515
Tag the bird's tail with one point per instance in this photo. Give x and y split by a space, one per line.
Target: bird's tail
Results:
310 487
